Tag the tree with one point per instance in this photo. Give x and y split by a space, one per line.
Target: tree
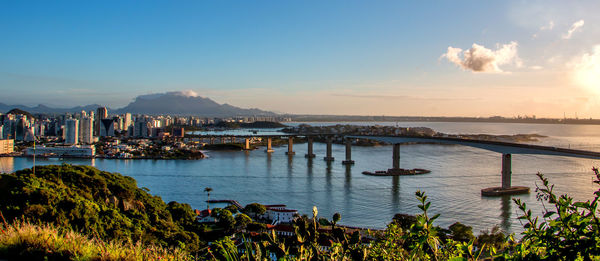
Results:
208 190
232 208
226 220
181 213
254 208
336 218
242 220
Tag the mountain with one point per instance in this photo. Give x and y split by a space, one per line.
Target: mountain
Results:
173 103
19 111
43 109
184 103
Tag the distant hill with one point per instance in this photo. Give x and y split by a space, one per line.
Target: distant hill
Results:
21 112
179 103
173 103
48 110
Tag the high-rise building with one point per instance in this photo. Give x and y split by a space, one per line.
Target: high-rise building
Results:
127 121
101 113
71 131
86 130
141 129
29 133
107 128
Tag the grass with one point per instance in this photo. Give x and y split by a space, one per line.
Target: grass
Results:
23 240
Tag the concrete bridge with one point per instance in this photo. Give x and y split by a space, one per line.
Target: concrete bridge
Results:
507 149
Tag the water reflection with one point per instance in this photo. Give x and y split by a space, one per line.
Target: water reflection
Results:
328 185
348 189
290 164
395 194
506 203
348 179
247 161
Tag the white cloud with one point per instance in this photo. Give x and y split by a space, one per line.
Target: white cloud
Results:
481 59
548 27
186 93
587 69
574 28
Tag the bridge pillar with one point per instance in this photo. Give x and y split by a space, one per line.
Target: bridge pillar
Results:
223 140
507 188
329 156
396 156
348 160
212 140
310 153
232 139
269 148
247 143
290 146
506 170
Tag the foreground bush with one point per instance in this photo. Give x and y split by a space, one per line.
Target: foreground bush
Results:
23 240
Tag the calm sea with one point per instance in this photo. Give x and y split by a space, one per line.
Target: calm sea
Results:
458 175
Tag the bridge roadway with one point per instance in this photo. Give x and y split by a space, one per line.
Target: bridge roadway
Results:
505 148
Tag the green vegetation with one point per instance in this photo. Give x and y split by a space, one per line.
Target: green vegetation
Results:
23 240
107 205
80 213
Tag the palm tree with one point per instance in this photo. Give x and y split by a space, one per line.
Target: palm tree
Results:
208 190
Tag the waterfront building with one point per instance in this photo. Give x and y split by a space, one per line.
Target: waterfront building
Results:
70 151
86 130
7 146
279 214
71 131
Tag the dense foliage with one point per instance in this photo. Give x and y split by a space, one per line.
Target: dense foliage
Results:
95 202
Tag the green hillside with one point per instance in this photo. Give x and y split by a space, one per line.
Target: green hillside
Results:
98 203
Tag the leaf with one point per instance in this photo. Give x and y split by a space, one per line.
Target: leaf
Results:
549 214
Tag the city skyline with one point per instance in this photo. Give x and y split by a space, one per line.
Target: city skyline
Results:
406 59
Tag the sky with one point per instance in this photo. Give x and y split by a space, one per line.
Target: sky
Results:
400 58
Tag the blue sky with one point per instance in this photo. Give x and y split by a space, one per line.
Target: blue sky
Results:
318 57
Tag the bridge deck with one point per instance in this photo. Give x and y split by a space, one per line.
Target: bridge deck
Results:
496 146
